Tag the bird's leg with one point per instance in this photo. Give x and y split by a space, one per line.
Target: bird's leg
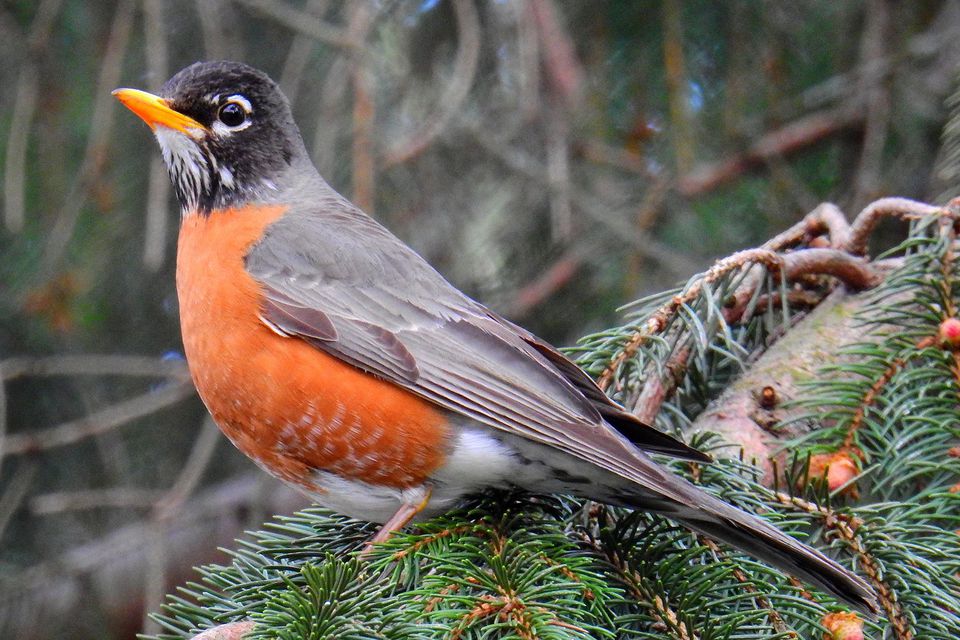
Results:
397 521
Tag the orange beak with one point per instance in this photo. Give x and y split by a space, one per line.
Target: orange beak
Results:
155 111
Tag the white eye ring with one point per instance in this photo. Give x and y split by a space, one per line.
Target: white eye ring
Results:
223 128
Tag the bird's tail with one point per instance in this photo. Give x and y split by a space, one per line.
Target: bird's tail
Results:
718 520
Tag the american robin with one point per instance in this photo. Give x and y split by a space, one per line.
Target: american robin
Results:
338 360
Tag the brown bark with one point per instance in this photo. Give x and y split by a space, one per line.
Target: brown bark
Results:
751 414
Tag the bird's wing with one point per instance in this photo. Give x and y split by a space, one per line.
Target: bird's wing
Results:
339 280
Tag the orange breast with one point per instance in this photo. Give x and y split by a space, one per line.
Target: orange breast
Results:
287 405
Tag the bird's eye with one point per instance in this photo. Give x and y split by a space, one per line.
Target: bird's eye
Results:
232 114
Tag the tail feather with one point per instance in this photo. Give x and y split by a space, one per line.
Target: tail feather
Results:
718 520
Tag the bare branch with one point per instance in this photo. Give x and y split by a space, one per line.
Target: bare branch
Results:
15 491
158 185
590 205
3 418
61 232
797 135
165 510
559 53
214 23
528 52
364 168
154 576
903 208
876 95
113 566
24 106
93 365
303 22
14 176
116 498
554 277
200 457
600 152
853 271
97 422
456 91
658 388
678 87
299 54
229 631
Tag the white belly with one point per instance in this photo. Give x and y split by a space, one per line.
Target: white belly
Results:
476 461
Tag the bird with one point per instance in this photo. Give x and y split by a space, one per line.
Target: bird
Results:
341 362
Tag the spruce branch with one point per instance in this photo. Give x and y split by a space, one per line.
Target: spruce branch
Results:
801 344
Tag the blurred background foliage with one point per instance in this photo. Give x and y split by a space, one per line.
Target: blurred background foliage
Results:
554 159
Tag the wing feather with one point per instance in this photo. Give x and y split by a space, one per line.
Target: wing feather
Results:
336 278
356 292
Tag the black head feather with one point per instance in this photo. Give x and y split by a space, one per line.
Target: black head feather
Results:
249 139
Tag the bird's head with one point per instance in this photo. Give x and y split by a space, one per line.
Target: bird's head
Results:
226 133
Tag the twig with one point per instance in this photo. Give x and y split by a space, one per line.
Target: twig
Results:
600 152
559 56
788 139
853 271
303 22
97 422
156 212
634 582
659 319
92 365
877 388
200 456
299 54
364 169
229 631
590 205
776 620
117 560
833 220
456 91
158 184
657 388
332 97
795 299
827 216
24 107
948 232
478 528
553 278
847 267
155 575
58 238
558 171
904 208
216 44
15 491
165 510
528 56
876 93
3 418
845 526
837 262
678 89
116 498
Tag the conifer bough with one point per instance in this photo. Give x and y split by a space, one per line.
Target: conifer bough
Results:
533 566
